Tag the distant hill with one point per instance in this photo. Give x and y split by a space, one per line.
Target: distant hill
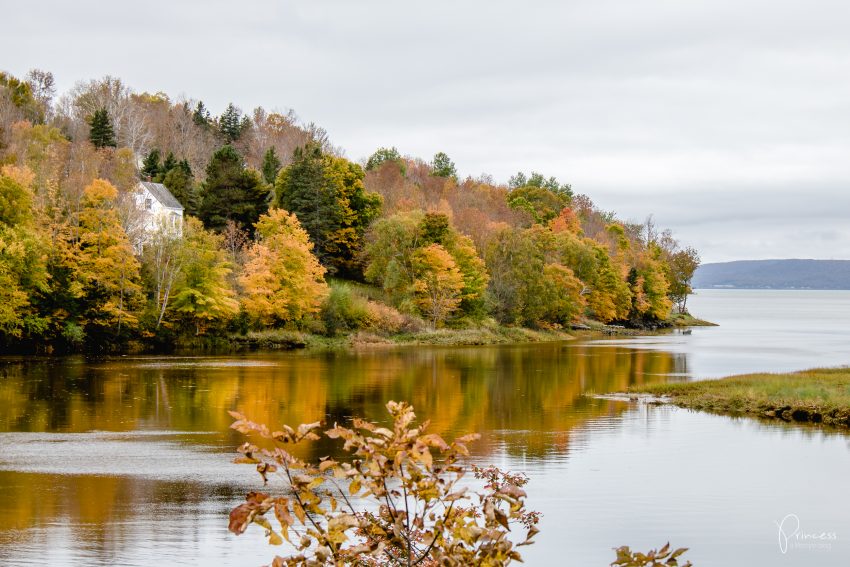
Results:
774 274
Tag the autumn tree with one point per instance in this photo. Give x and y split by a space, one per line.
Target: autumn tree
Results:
528 283
438 284
105 275
23 252
102 134
231 192
327 195
203 295
283 281
391 254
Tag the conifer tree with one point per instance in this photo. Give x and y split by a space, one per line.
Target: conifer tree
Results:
101 133
201 116
150 165
169 163
230 123
271 165
231 192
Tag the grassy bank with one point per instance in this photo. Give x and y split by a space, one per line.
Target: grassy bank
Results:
688 320
814 396
276 339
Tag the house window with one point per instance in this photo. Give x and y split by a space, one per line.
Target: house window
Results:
148 204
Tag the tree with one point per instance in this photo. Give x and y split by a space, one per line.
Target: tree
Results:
271 165
443 166
283 281
230 123
150 166
179 181
541 204
438 283
23 257
383 155
105 275
202 291
419 511
681 267
102 134
201 116
231 192
327 195
391 253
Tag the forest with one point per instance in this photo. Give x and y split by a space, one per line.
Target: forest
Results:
282 231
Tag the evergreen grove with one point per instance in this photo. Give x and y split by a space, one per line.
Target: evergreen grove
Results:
282 231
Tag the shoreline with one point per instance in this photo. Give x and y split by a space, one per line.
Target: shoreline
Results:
818 396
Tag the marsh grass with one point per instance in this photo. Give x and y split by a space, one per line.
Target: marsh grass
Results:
816 396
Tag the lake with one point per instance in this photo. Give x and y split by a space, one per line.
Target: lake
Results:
127 461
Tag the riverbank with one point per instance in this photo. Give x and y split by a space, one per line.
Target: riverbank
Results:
278 339
811 396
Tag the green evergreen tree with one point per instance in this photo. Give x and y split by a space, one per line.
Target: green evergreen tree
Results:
181 186
150 165
230 123
169 163
443 166
231 192
201 116
271 165
101 133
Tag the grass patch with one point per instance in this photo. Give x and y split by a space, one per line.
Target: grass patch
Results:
688 320
814 396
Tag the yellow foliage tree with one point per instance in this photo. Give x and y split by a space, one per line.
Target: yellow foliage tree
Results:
106 276
438 285
283 281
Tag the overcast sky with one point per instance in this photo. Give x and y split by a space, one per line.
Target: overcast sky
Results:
729 120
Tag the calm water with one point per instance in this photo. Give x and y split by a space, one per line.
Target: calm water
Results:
127 461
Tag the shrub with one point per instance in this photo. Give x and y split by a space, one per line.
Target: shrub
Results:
345 310
418 510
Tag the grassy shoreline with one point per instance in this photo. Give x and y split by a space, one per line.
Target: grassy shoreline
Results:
277 339
819 396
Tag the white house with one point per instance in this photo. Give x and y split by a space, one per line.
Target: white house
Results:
158 208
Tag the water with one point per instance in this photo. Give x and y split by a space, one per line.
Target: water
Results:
127 461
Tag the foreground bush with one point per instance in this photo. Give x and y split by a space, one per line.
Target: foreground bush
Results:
411 506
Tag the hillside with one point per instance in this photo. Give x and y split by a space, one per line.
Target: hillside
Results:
775 274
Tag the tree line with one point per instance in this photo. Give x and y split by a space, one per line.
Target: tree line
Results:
276 220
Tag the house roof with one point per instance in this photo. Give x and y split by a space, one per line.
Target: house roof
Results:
161 193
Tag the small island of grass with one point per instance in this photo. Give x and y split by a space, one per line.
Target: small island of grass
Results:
814 396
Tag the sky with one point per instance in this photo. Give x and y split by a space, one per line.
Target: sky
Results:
727 120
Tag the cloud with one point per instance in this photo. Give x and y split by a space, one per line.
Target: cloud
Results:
728 119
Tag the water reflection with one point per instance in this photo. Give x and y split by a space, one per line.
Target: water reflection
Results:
87 442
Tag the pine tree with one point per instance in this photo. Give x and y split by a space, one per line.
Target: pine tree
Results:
201 116
230 123
150 165
102 134
169 163
232 192
271 165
